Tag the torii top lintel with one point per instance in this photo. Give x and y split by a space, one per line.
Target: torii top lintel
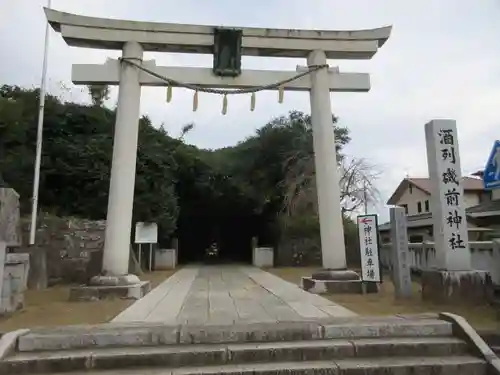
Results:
103 33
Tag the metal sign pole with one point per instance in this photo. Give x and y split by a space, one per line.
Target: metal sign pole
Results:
150 257
139 256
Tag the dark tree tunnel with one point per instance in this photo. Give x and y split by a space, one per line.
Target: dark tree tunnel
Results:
220 213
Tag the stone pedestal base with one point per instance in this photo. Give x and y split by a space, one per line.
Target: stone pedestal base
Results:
263 257
337 282
165 259
456 287
109 287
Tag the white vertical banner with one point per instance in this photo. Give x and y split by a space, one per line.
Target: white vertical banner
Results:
368 247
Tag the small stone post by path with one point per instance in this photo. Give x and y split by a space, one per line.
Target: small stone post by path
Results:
453 280
401 276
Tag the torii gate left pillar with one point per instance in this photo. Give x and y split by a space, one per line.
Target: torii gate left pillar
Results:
122 181
132 37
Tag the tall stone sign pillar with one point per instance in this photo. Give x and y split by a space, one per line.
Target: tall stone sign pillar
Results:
447 199
453 279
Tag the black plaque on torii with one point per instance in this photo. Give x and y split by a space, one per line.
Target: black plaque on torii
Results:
227 52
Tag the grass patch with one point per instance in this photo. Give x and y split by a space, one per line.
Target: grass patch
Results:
50 307
384 303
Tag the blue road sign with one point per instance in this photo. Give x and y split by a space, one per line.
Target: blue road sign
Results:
491 176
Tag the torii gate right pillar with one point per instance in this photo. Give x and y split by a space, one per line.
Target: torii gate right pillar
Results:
325 159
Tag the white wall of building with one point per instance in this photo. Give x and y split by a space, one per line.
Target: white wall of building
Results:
413 196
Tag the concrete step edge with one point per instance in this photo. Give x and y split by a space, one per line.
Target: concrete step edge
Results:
335 367
444 340
460 365
190 355
171 335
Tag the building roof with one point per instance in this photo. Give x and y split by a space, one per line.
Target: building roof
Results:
491 208
424 184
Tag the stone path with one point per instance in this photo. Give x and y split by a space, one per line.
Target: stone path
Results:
229 295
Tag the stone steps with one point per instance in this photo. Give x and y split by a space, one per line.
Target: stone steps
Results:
127 335
361 345
230 354
456 365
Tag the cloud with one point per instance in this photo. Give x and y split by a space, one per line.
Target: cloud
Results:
442 60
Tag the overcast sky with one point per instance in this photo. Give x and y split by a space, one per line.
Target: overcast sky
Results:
441 61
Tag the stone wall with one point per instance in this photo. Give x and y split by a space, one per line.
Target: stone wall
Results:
72 247
13 267
485 256
10 229
67 249
14 282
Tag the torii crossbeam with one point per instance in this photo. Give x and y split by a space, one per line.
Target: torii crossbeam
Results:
109 74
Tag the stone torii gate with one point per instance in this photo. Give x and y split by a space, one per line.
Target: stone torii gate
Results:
131 72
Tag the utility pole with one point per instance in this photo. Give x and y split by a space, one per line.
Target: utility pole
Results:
39 135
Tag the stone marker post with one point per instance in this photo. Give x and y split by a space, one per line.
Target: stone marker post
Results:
401 276
453 280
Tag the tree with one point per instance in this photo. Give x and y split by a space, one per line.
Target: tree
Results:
98 94
76 159
186 129
262 160
300 208
287 170
357 185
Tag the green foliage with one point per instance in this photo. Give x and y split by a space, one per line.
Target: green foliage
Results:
259 163
201 196
262 165
76 159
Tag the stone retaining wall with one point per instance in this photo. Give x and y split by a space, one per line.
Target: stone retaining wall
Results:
69 244
485 256
10 230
